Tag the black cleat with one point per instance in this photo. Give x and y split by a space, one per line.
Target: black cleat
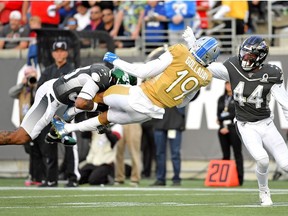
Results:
66 140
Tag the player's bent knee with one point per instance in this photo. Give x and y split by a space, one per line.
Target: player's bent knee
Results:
262 164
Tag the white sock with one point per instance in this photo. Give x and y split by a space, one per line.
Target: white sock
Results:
86 125
262 180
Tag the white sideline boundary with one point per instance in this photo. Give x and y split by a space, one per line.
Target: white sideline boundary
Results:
211 189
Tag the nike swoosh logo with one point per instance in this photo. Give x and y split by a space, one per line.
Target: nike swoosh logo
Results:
51 183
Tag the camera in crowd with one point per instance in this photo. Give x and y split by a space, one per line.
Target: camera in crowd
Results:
30 74
31 80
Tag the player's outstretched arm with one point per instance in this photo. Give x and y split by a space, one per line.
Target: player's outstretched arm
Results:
145 70
281 96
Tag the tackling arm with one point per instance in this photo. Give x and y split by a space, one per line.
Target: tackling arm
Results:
219 71
188 98
281 96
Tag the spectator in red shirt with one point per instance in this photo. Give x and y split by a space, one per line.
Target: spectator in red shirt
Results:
96 22
202 7
5 9
46 10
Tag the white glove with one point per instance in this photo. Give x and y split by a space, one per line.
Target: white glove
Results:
189 37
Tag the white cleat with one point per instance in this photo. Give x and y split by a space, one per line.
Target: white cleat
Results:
265 198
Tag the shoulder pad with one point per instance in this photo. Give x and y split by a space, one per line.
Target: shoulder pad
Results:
178 47
275 73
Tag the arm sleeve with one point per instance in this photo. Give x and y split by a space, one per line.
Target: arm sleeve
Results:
149 69
281 96
89 90
14 91
187 99
221 12
219 71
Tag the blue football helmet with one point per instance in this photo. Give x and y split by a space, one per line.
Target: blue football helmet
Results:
253 52
206 50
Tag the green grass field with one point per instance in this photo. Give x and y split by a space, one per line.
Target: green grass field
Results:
192 198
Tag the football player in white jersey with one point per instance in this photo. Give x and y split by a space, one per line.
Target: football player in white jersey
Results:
173 79
76 88
253 82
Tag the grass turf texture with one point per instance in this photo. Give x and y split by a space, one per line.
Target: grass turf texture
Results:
192 198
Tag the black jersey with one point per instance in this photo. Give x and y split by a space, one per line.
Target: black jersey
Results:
251 90
67 87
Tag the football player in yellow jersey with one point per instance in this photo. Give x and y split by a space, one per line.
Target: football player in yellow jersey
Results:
174 79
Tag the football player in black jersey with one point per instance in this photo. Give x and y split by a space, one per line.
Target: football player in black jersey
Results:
253 82
76 88
117 77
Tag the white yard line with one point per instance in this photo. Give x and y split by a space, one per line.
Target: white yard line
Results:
136 204
93 188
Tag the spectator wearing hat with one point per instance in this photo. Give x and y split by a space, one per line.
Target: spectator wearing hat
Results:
82 15
60 67
14 30
6 7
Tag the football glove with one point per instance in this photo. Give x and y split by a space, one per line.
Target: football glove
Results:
189 37
110 57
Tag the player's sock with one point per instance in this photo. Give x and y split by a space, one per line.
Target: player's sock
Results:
262 180
87 125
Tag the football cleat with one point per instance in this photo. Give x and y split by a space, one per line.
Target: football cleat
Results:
59 127
101 129
66 140
265 198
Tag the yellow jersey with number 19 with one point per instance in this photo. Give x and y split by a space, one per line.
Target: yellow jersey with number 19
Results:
181 77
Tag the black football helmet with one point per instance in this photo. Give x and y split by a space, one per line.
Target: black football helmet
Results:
253 52
100 75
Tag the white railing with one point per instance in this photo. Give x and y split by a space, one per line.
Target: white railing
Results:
227 37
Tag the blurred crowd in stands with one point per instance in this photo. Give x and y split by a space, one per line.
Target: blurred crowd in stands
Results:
125 18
